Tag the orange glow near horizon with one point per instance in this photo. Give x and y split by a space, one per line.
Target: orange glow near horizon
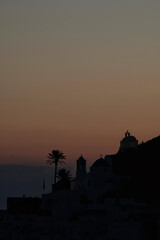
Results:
75 76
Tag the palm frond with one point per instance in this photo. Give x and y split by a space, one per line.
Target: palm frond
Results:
61 162
48 161
51 156
55 157
64 175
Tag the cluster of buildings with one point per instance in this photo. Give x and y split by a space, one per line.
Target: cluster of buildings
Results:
99 205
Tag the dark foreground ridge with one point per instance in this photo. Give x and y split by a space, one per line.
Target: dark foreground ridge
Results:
118 199
143 166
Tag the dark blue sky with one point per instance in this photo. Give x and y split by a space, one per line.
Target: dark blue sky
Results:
19 180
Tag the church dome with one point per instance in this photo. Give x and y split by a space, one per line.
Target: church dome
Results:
128 142
101 162
129 138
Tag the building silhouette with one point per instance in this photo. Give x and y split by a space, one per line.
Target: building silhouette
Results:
128 142
81 166
110 202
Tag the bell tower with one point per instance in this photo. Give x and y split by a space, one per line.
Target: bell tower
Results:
81 166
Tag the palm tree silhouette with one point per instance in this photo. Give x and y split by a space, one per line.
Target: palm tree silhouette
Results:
64 174
55 157
65 178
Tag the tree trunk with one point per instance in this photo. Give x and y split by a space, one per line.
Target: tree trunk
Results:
55 173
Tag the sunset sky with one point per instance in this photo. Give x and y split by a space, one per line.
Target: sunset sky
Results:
75 75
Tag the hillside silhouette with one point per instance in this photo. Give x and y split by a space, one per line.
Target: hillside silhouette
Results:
143 166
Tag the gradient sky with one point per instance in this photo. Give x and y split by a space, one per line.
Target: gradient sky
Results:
75 75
